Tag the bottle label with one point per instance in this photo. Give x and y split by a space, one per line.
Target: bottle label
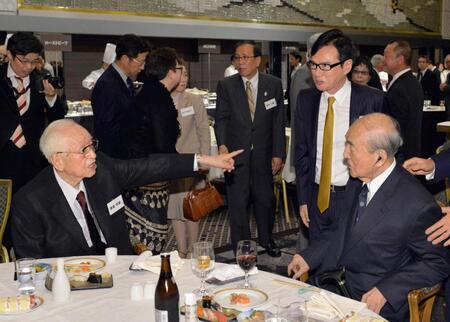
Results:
161 316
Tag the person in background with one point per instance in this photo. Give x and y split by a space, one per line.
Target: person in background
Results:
156 131
195 138
113 97
295 63
108 58
232 69
445 87
362 71
378 65
429 80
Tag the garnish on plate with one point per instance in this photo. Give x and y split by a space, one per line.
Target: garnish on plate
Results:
239 299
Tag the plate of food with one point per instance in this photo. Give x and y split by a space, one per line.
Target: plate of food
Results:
12 305
240 299
83 265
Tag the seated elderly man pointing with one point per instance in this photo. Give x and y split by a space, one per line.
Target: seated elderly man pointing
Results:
74 207
381 241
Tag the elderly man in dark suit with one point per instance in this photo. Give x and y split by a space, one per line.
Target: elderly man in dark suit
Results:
250 115
380 240
113 97
326 113
75 207
405 97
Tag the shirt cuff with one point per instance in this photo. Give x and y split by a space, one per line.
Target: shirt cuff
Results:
430 176
51 101
195 163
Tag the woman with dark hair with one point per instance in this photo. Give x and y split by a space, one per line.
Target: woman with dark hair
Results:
156 132
361 72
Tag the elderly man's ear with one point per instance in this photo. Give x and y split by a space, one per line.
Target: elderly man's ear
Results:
381 158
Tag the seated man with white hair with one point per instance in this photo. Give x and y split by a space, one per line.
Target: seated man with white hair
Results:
74 207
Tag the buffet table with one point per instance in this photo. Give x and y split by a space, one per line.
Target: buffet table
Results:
114 304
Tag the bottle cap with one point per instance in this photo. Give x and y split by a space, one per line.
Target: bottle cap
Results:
190 299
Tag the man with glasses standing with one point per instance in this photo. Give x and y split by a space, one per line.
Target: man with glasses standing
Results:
250 116
113 97
327 112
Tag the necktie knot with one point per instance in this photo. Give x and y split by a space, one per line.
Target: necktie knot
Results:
331 101
130 85
363 196
81 198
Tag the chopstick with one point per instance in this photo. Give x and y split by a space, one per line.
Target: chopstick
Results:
312 288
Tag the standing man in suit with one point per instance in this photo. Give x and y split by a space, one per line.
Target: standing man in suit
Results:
75 207
405 97
26 104
445 87
429 80
113 97
327 112
250 116
380 240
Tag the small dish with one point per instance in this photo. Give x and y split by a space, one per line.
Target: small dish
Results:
83 265
256 298
38 301
42 269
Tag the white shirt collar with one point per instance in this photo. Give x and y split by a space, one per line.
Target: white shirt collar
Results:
253 80
12 75
121 72
342 93
69 192
378 181
396 76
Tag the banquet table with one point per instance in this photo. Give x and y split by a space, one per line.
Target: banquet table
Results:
114 304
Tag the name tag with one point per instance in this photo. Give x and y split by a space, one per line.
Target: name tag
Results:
186 111
115 204
270 104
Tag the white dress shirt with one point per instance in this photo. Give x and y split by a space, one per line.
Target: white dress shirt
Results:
396 76
341 107
71 196
376 182
254 80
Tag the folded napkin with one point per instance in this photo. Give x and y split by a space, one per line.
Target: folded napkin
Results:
228 272
151 263
330 305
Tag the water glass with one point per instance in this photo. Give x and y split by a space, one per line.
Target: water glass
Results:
296 311
26 274
136 291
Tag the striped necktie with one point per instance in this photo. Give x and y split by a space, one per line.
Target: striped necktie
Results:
18 138
250 98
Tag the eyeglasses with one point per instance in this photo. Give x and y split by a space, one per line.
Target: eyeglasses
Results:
323 66
140 62
87 149
26 61
361 72
179 68
244 58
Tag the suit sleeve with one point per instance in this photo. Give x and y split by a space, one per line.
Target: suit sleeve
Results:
442 165
278 126
57 111
202 125
429 266
222 115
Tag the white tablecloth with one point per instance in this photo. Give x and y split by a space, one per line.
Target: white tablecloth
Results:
114 304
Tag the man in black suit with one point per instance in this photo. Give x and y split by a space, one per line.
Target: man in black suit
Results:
331 60
380 240
25 107
250 115
429 80
445 87
113 97
75 207
405 97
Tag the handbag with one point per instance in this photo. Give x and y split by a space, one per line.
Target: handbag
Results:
200 202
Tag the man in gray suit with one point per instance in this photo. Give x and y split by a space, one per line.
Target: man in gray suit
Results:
250 116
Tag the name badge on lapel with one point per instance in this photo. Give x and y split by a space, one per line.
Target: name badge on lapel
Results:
186 111
270 104
115 205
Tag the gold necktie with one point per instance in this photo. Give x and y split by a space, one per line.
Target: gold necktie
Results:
323 198
250 98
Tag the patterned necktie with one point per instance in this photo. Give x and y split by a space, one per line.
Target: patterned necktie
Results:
250 98
362 202
18 138
130 86
323 197
99 246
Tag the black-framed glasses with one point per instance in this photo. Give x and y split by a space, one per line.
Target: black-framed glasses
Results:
86 150
27 61
244 58
179 68
324 66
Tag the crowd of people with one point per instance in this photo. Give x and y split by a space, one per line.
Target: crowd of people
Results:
356 143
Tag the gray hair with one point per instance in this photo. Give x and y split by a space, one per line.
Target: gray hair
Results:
383 133
51 140
376 59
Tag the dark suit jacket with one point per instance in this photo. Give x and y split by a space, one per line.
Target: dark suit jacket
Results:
16 163
442 165
115 113
233 124
430 82
363 100
405 97
43 224
446 92
387 248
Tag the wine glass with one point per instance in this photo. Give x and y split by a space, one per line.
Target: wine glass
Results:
202 263
246 257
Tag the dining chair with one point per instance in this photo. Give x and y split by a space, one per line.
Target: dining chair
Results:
5 204
280 184
421 303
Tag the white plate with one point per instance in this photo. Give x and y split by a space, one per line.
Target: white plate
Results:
83 265
257 298
38 301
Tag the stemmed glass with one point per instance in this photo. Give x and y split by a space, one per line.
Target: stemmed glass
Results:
202 263
246 254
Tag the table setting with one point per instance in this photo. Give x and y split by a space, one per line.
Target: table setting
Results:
224 292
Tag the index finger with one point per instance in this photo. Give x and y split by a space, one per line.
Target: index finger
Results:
434 227
235 153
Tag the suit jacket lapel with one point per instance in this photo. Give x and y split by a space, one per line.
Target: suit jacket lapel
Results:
9 92
356 104
315 121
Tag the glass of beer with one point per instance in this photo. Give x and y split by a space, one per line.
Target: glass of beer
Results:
202 263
